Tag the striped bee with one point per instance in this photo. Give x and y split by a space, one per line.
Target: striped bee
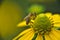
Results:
29 17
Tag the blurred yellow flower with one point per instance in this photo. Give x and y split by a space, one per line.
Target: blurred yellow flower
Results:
45 27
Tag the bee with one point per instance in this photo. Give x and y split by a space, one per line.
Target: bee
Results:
29 17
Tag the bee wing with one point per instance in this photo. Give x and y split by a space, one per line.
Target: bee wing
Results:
27 16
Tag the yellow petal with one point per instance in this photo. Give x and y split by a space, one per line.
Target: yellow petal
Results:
47 37
48 14
56 34
30 36
39 37
24 32
58 31
27 36
52 36
32 20
21 24
57 24
56 18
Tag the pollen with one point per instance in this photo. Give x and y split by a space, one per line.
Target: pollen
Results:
42 24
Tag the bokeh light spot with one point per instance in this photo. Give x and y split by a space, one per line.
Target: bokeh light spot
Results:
36 8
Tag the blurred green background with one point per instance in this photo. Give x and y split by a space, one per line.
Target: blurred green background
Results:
13 11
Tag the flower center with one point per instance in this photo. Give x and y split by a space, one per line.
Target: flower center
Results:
42 24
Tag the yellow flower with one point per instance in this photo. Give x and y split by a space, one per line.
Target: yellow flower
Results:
44 27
